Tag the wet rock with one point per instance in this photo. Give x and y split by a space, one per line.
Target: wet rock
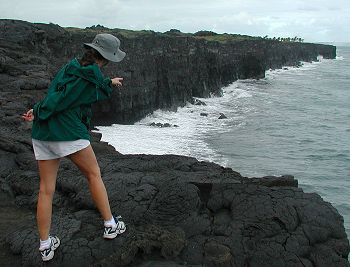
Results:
96 136
222 116
161 125
197 102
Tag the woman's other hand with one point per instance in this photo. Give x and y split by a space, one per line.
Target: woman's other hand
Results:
117 81
29 116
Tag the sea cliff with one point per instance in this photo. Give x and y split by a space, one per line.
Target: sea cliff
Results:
179 211
159 71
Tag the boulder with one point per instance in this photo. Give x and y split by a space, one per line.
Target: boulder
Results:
222 116
197 102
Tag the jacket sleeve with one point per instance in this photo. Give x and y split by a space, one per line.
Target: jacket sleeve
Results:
82 90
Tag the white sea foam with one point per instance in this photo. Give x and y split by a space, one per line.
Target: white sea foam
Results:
305 66
235 90
186 139
189 138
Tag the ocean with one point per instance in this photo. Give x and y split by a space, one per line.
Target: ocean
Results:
294 121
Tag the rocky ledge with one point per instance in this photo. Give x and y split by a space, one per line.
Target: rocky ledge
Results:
179 211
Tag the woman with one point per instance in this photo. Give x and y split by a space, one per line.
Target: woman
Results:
61 128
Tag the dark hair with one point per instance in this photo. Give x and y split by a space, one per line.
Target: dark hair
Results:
90 56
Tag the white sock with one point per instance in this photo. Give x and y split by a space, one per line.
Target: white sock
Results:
110 222
45 243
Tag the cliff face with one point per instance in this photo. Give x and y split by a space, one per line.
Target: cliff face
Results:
160 71
179 211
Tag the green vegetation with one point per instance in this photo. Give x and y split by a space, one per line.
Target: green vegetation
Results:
212 36
287 39
225 37
206 35
122 32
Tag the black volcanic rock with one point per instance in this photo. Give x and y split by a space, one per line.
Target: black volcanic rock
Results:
161 125
197 102
179 211
222 116
160 70
183 210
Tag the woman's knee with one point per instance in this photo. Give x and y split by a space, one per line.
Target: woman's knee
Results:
93 174
46 191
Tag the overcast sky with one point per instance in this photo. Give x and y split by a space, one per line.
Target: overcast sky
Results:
312 20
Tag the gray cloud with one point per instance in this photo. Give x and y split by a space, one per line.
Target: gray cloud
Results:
314 20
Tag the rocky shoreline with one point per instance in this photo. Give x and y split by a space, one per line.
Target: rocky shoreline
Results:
179 211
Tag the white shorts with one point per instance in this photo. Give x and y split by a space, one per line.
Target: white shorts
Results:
45 150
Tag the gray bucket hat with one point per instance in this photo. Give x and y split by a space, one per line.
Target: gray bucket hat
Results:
108 46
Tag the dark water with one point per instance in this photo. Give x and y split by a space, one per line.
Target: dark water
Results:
295 121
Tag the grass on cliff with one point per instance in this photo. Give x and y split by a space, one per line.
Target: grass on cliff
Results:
205 35
226 38
125 33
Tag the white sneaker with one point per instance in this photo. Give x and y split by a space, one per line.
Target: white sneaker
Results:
111 232
48 253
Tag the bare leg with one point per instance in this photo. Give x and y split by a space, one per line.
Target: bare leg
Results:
48 174
86 161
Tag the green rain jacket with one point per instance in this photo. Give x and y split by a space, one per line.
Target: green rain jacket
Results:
65 113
